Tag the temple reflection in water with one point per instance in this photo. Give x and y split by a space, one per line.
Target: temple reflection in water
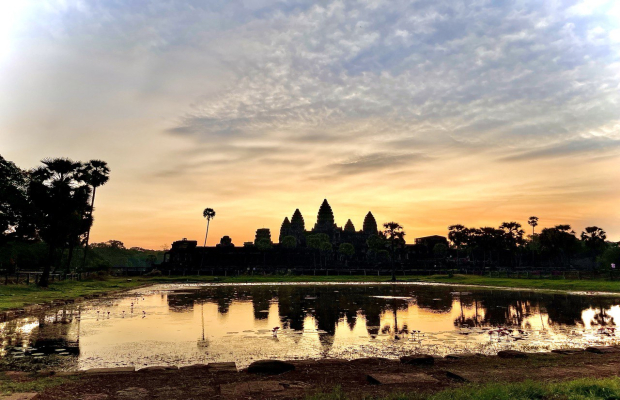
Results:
185 324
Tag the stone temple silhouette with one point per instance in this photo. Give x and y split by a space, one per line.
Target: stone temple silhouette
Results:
184 253
325 223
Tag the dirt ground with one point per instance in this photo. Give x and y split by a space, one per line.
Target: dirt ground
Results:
363 377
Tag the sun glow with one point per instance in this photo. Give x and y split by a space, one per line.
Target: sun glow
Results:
11 15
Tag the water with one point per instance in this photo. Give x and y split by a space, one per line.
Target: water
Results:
187 324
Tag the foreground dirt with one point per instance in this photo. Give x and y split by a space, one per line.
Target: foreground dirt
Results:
309 377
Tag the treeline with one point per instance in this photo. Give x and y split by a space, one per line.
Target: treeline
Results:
46 213
508 245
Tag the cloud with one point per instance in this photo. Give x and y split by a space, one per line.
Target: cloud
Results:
258 102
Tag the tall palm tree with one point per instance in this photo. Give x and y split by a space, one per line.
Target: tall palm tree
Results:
533 222
209 214
95 173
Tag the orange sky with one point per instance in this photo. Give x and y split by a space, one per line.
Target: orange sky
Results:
426 114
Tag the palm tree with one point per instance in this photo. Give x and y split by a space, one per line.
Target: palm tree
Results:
533 222
55 189
95 173
209 214
394 233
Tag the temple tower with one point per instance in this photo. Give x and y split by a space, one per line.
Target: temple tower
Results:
285 229
297 222
298 227
370 224
325 218
348 227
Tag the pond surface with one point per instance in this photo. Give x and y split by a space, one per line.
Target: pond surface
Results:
186 324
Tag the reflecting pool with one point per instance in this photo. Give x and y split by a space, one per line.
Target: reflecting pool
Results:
185 324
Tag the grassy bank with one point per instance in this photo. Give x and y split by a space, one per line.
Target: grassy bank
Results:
31 383
534 283
17 296
580 389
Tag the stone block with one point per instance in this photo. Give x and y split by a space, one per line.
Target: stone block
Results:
603 349
159 368
223 367
511 354
270 367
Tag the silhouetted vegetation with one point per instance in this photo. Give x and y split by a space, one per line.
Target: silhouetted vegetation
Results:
45 219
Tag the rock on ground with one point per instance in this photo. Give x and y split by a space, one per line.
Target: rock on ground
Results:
271 367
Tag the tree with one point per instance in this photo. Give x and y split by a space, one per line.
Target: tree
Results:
63 211
533 222
394 234
559 242
458 236
440 250
513 237
347 250
594 239
209 214
320 243
264 245
289 242
95 173
15 207
611 255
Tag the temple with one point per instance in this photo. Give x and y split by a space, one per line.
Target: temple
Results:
300 248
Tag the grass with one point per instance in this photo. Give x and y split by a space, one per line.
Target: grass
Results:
580 389
31 384
18 296
533 283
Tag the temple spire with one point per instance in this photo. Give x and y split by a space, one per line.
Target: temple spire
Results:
325 218
348 227
370 224
285 229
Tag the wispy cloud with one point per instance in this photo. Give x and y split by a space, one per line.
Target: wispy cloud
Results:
241 97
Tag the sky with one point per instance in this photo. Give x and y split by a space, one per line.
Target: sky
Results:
428 113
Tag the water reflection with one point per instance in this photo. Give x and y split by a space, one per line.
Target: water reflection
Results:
185 324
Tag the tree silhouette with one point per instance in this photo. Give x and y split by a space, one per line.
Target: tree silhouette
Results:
288 242
209 214
395 235
61 198
594 239
15 207
95 173
533 222
513 237
458 236
347 250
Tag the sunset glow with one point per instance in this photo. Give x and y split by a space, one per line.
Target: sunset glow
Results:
425 113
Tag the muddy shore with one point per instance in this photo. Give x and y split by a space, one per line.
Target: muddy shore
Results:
359 378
